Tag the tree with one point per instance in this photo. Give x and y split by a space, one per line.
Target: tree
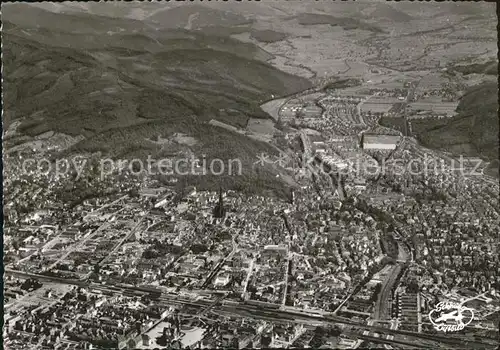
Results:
316 341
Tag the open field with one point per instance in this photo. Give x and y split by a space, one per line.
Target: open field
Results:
267 35
272 107
260 126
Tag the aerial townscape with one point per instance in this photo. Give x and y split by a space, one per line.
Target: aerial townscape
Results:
250 174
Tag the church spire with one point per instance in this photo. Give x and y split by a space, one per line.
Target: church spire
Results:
219 210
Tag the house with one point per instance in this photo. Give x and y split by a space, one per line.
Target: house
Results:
146 340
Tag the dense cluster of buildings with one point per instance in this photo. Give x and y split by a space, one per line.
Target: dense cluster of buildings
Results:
133 262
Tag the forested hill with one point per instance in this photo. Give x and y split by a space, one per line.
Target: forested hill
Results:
121 83
473 131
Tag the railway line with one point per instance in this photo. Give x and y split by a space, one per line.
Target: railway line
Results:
260 311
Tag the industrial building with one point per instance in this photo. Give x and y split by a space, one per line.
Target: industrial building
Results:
311 111
380 142
439 108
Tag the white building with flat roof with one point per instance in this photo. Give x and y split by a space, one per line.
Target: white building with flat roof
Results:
380 142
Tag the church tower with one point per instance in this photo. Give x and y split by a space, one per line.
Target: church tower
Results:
219 210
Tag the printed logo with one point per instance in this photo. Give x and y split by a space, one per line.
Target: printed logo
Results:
450 317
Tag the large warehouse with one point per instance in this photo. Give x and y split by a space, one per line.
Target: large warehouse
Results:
384 142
